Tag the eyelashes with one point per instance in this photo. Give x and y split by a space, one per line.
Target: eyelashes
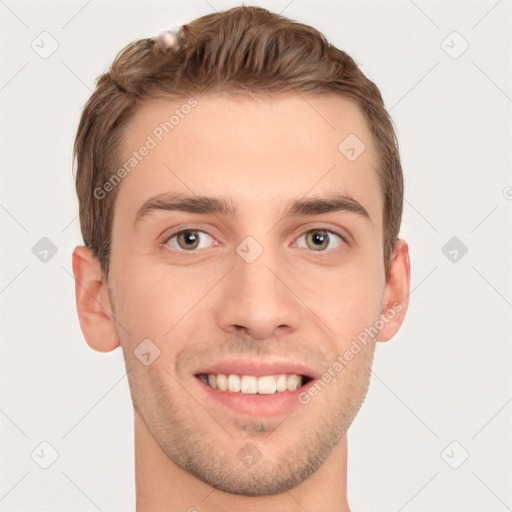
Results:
323 233
182 232
193 238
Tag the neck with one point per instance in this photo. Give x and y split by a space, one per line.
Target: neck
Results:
161 485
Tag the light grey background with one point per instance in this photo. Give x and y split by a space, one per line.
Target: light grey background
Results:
445 377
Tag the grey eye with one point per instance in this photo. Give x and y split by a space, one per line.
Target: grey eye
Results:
187 240
319 239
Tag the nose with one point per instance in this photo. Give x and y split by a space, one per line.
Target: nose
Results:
258 300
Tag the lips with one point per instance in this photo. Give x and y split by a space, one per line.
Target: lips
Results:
254 399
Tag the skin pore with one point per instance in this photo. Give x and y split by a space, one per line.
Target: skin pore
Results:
304 299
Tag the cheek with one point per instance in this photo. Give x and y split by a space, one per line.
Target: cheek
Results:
151 305
352 303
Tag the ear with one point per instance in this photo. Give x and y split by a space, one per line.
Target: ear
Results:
93 301
396 292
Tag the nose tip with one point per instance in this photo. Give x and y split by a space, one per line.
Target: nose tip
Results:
255 302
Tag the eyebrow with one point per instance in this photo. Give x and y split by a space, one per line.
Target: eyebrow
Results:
221 206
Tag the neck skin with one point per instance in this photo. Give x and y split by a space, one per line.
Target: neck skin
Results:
161 485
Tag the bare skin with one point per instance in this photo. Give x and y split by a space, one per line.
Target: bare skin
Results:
199 301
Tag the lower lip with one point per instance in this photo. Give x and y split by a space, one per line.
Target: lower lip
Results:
276 404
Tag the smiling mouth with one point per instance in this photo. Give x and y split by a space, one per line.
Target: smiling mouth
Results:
254 385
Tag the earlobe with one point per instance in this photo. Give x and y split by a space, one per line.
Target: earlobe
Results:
93 302
396 293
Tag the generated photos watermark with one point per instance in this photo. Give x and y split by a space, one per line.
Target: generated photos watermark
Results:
356 346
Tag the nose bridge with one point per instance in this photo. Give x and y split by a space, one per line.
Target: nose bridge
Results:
256 298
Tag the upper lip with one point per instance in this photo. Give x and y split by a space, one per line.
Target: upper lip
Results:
257 368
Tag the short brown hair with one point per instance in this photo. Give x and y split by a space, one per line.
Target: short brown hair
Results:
245 49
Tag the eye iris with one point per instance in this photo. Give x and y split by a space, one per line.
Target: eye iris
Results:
319 237
188 236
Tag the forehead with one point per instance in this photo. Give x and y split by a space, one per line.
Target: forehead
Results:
258 152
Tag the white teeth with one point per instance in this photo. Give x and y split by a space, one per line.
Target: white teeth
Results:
234 383
222 382
212 380
281 383
248 385
251 385
267 385
292 382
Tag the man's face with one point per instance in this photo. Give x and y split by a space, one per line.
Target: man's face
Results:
296 293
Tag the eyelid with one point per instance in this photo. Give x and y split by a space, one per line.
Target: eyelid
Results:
342 234
169 233
343 240
181 229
